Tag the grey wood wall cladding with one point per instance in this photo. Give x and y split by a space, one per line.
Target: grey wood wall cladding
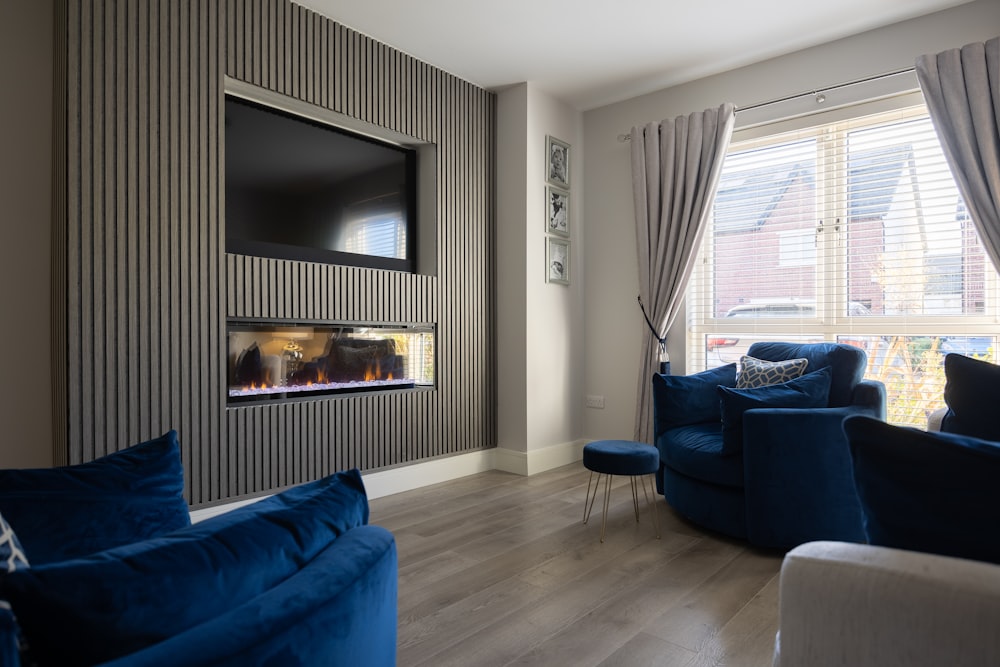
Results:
148 285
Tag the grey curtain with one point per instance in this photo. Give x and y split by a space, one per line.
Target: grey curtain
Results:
675 172
962 91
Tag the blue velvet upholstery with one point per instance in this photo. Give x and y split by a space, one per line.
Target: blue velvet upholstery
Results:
339 609
123 600
797 470
792 481
716 506
932 492
689 399
620 457
697 451
846 361
970 393
9 651
130 495
811 390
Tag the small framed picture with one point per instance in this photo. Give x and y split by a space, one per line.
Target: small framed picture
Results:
556 162
556 211
557 261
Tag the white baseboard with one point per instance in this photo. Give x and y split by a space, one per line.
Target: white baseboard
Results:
216 510
539 460
408 478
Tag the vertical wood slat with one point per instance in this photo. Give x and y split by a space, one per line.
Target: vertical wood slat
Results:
63 154
141 209
148 285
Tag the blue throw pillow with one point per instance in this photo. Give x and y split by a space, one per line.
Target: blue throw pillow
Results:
113 603
809 391
847 362
932 492
72 511
682 400
970 392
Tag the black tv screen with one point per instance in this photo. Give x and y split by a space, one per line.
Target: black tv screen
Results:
304 190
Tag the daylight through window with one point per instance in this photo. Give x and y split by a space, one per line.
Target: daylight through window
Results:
851 232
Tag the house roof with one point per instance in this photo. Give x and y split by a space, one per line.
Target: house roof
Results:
748 198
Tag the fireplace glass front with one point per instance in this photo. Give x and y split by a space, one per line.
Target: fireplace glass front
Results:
269 361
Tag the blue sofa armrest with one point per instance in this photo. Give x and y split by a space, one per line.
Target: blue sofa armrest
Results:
798 477
9 654
870 394
340 608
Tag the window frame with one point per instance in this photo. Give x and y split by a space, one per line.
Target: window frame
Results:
832 319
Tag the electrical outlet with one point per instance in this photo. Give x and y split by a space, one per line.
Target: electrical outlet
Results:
595 402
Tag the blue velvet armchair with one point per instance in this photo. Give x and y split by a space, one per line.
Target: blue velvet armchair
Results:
768 464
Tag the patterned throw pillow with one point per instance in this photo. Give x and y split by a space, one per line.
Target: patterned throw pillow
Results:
11 552
755 373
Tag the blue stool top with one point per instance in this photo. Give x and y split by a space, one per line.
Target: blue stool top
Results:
621 457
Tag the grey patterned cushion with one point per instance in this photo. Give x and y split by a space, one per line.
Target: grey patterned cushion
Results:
755 373
11 554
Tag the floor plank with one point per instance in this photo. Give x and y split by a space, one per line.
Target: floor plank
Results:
499 569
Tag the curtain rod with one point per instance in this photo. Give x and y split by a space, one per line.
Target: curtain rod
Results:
818 94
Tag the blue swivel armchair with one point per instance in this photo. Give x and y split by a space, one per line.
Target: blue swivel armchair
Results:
769 464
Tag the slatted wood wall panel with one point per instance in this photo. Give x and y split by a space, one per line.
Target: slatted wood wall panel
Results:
148 285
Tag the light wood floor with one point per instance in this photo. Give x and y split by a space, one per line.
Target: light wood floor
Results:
498 569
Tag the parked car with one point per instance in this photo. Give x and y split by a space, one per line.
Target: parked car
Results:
723 349
971 346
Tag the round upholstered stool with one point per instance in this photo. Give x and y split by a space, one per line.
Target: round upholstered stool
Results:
621 457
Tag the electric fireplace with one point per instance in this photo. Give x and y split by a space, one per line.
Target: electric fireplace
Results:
271 361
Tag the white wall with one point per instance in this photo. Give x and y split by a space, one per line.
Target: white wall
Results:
540 338
26 44
512 276
613 322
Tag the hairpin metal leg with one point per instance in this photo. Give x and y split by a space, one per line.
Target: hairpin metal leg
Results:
607 500
588 501
635 497
651 499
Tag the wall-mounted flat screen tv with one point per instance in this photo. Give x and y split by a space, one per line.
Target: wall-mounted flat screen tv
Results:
300 189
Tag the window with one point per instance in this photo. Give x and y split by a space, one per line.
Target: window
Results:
376 227
851 232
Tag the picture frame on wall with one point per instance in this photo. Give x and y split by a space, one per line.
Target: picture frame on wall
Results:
556 162
556 211
557 261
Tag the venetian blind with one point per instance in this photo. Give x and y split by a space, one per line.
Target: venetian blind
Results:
851 231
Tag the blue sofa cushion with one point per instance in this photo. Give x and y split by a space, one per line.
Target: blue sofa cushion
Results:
109 604
680 400
696 451
809 391
847 362
970 392
932 492
67 512
761 373
338 610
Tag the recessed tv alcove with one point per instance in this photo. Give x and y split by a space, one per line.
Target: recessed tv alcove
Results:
304 183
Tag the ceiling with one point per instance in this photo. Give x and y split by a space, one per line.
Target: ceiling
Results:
595 52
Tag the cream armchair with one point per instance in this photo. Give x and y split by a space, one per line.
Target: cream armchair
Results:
859 605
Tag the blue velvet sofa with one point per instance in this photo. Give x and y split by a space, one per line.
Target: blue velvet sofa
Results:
103 567
930 491
768 464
